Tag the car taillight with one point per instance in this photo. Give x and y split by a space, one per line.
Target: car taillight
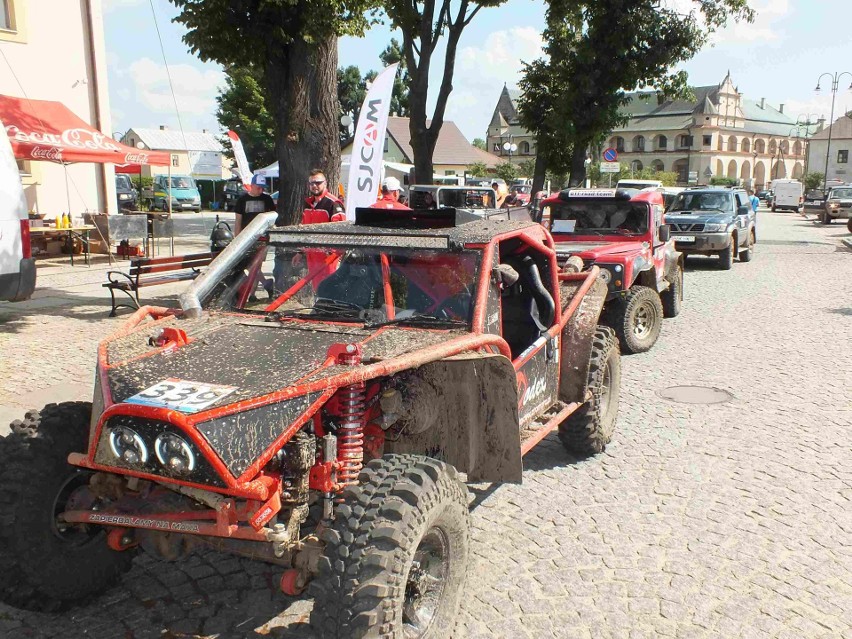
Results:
26 249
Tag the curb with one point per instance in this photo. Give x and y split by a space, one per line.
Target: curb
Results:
847 242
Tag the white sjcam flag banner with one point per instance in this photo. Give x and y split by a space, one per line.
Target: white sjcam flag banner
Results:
240 157
368 149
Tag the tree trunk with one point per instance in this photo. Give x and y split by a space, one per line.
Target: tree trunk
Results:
578 163
302 82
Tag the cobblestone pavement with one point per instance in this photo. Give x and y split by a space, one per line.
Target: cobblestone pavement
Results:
724 520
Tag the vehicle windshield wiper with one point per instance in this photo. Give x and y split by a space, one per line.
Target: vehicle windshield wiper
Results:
324 307
419 318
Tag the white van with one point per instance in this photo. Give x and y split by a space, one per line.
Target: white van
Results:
17 267
787 195
638 184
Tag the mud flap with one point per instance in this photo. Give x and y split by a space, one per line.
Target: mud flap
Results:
577 342
464 411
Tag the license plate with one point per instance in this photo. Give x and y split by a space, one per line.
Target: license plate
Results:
683 238
182 395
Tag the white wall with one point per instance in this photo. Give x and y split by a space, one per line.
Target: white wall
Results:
51 58
816 158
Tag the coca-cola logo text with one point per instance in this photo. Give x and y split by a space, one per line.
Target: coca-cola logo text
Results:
47 153
136 158
70 138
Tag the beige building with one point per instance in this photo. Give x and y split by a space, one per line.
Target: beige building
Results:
56 52
506 137
453 153
199 154
838 154
719 134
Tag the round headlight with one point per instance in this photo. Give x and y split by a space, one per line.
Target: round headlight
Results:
126 444
618 268
606 276
174 454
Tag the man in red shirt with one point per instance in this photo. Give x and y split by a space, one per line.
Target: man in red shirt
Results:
390 196
321 198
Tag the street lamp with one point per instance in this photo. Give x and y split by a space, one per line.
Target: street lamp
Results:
835 81
510 148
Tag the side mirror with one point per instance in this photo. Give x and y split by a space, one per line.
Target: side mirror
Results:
665 232
744 210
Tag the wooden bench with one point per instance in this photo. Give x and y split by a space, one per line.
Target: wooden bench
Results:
152 271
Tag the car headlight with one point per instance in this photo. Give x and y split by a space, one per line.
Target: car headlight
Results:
174 453
196 200
715 227
834 205
126 444
124 196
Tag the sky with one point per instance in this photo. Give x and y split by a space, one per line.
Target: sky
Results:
779 57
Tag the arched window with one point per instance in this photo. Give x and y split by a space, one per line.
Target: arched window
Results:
797 148
773 146
719 143
639 143
657 165
732 143
618 143
746 145
636 165
662 142
525 148
760 146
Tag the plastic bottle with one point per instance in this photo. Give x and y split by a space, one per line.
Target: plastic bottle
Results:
58 221
66 221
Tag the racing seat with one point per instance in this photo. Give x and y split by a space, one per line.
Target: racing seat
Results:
527 306
354 282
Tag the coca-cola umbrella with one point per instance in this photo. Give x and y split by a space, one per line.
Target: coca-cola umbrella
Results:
48 131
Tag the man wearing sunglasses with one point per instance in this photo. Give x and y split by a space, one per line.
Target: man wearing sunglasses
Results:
320 198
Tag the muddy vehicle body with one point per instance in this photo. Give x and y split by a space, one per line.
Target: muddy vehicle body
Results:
625 236
323 430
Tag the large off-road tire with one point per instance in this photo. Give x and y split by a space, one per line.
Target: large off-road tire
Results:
589 429
637 319
726 255
672 299
849 225
395 560
46 565
748 253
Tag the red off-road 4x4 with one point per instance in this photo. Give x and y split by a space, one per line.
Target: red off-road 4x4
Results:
323 429
625 236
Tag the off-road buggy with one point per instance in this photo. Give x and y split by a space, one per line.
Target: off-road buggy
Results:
324 430
625 236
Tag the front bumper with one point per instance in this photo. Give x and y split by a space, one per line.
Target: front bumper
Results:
17 287
839 214
704 243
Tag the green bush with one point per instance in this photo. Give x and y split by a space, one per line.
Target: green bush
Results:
724 181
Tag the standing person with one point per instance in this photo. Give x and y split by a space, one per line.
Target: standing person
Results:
251 204
755 201
390 196
499 195
321 198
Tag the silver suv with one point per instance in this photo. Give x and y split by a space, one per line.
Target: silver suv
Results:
713 221
838 204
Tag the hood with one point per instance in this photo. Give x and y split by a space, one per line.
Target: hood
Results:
596 250
682 217
252 356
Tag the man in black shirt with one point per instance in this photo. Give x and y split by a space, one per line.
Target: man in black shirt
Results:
251 204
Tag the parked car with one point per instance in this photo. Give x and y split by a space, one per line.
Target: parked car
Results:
17 266
522 193
787 195
231 191
714 221
125 192
765 195
184 192
626 238
325 432
838 204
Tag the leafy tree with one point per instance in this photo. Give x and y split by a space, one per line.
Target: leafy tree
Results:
477 169
507 171
293 44
526 168
813 181
479 143
571 100
242 106
425 25
723 181
399 98
351 90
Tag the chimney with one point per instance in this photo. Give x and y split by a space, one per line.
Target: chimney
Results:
163 127
781 109
762 103
820 124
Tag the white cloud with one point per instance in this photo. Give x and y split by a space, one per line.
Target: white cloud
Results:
481 71
765 28
195 88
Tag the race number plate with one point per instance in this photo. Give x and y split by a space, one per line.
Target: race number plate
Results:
182 395
683 238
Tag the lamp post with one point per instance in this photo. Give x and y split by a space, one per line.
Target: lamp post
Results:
510 147
835 81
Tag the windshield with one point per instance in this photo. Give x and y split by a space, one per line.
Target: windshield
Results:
123 182
618 217
183 183
837 194
359 285
701 202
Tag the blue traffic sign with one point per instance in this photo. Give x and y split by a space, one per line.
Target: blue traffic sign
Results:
610 155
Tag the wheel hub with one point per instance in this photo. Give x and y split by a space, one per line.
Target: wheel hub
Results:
644 321
424 587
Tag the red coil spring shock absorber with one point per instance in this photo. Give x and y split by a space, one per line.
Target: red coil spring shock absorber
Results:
350 433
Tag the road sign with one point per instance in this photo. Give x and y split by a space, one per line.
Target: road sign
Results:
693 177
610 167
610 155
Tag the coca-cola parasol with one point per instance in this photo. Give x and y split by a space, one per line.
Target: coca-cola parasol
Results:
45 130
130 169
